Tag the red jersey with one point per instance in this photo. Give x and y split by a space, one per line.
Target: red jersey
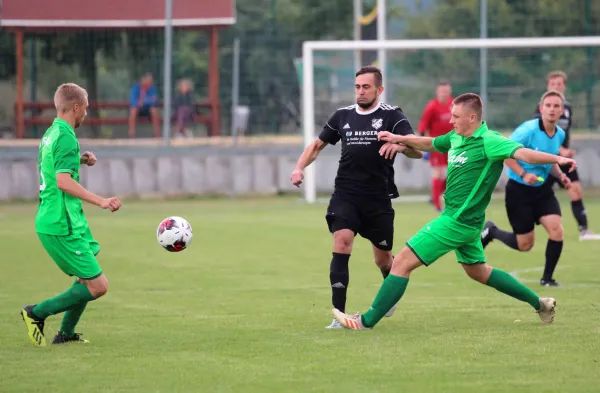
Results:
436 118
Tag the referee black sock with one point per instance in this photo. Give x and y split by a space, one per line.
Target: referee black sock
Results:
579 213
553 251
508 238
339 277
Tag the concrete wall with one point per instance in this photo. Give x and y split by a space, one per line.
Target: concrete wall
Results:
146 172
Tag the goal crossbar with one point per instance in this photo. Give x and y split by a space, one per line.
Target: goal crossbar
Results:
309 47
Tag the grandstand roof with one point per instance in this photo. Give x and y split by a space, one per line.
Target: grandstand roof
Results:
117 14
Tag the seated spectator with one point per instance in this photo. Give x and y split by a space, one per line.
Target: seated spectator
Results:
143 100
184 107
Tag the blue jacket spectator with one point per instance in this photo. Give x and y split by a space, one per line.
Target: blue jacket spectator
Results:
143 94
143 101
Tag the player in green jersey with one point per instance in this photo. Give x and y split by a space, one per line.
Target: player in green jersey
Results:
60 222
475 163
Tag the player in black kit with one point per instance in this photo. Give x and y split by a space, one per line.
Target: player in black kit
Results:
557 81
364 185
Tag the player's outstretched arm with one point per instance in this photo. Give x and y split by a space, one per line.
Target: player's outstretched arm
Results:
556 171
559 174
566 152
66 184
308 156
538 157
416 142
389 151
412 153
528 178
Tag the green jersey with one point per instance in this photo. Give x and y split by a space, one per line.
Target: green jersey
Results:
474 167
58 212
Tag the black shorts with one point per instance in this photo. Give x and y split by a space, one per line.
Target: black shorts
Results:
525 205
574 176
144 111
372 218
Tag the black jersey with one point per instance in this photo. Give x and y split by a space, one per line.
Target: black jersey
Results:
565 121
362 170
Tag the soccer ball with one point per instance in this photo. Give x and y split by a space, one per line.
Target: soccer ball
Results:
174 234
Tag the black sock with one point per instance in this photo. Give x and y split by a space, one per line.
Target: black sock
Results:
553 251
508 238
339 277
579 213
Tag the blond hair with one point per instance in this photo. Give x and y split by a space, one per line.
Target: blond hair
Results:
556 74
67 95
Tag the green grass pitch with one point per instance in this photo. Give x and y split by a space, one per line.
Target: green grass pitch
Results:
244 309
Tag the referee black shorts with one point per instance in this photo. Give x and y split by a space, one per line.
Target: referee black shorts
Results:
525 205
372 218
574 176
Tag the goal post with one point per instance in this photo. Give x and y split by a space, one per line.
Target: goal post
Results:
310 47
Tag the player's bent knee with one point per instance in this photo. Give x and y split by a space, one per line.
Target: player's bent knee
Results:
98 286
526 246
553 225
479 272
556 232
342 241
526 242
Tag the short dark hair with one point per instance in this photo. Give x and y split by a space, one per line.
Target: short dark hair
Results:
471 101
372 70
443 82
552 93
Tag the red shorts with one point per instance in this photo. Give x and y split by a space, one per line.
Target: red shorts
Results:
438 159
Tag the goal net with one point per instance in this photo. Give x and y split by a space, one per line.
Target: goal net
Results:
509 74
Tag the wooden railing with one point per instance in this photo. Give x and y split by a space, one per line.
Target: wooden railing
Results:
33 114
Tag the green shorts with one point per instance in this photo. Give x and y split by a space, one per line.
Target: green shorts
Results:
75 255
445 234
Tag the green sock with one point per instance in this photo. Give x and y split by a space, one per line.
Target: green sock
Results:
391 291
72 297
509 285
70 319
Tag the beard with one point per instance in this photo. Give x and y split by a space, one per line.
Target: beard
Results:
78 122
365 105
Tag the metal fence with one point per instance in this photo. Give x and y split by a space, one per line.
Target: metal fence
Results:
260 93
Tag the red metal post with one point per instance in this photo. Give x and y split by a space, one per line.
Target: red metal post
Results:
213 81
20 84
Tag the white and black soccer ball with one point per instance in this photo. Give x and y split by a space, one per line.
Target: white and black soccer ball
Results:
174 234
